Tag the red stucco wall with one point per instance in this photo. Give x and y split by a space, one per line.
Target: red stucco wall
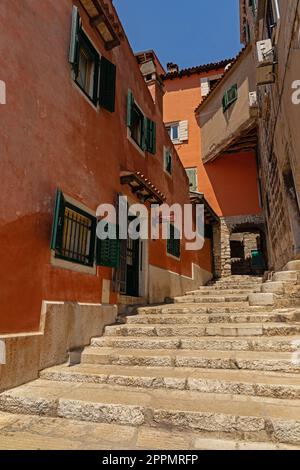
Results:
51 136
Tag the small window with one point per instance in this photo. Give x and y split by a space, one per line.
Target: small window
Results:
192 176
173 242
73 233
94 75
168 160
87 73
230 97
173 130
142 130
137 125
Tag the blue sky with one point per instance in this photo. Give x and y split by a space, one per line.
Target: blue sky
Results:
187 32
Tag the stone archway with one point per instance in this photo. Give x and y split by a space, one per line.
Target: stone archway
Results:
240 246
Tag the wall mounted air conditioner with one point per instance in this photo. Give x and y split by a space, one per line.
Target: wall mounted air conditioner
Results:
265 52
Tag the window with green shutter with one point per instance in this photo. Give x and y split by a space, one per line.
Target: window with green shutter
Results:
73 232
230 96
108 251
142 129
173 242
151 136
192 176
107 90
94 75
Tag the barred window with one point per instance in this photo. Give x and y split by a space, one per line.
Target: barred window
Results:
73 234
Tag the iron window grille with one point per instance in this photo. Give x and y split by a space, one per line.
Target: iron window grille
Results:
73 233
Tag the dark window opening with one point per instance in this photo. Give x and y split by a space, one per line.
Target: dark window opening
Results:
173 242
137 126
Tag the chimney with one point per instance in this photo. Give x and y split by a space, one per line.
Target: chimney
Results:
172 68
154 82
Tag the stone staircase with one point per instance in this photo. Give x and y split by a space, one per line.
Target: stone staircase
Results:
216 368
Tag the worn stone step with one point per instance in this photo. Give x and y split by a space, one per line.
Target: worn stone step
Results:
216 329
205 343
211 299
22 432
265 419
240 382
221 292
205 359
200 308
290 276
196 318
293 266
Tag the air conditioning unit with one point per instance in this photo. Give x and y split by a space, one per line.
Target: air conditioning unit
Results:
265 52
253 99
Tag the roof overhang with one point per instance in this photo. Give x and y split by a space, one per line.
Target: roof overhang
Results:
245 139
105 22
142 187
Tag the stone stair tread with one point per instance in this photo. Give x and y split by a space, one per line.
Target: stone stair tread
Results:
193 317
260 377
213 354
37 432
60 399
233 343
220 324
201 308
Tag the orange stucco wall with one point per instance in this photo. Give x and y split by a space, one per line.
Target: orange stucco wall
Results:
51 136
230 182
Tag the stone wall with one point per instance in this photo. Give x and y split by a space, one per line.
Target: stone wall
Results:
221 238
279 139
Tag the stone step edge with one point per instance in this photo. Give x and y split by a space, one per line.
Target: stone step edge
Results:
276 429
161 380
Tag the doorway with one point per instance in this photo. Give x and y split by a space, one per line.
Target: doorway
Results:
129 271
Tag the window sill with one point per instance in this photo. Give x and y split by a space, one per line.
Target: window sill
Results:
173 257
138 148
79 268
85 96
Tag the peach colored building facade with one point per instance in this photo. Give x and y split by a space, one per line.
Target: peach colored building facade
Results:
228 178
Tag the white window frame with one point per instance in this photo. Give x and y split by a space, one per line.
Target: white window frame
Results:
171 125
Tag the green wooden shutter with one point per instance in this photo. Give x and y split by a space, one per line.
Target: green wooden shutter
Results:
144 133
107 92
174 242
130 102
58 221
230 96
75 26
151 136
108 252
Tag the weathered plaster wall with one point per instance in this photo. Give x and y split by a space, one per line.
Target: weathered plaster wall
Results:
51 136
64 327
